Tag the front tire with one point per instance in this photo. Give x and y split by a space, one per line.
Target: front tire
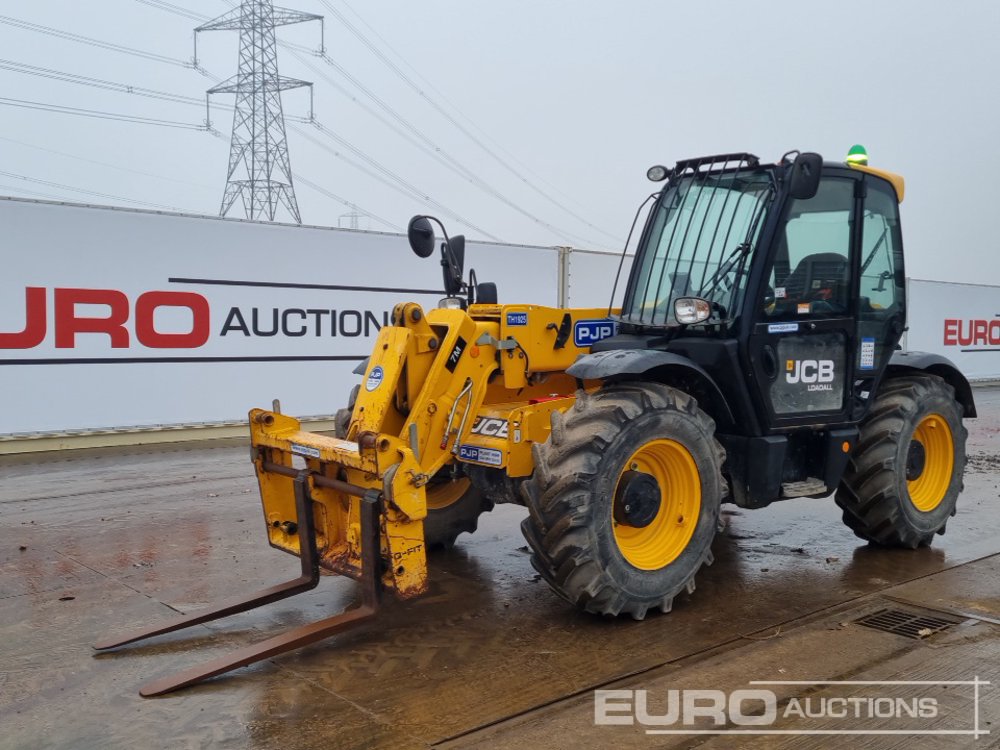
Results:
905 475
454 505
624 499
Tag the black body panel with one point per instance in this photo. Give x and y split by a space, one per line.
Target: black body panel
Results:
902 362
662 366
788 371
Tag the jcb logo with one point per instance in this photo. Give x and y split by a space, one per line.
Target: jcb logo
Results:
809 371
490 427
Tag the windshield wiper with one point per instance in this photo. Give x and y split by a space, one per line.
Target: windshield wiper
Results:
738 255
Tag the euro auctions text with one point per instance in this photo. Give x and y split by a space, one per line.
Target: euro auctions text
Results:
848 707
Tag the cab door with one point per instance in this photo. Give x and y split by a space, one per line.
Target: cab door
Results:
801 346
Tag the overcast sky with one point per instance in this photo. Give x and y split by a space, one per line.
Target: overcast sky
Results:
574 100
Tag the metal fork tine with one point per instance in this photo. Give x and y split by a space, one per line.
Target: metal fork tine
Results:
303 635
305 582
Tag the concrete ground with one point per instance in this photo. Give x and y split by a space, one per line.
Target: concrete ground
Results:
99 542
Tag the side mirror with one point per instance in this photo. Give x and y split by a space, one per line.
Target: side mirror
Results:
453 264
803 181
421 236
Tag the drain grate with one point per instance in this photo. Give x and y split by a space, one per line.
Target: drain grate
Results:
907 624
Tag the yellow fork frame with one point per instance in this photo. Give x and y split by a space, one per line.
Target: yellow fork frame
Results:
339 471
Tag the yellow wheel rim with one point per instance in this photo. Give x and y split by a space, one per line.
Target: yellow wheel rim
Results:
442 494
928 490
665 537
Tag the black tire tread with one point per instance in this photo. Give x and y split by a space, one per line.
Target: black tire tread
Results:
867 494
443 525
557 499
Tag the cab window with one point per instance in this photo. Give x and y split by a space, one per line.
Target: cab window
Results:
811 270
881 251
881 293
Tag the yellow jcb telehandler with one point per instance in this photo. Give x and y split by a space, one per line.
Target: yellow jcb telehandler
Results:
754 358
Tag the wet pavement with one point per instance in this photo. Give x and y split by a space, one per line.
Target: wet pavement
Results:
94 543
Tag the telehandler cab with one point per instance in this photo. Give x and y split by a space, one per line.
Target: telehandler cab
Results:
755 358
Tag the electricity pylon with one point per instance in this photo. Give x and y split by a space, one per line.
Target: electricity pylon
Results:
259 169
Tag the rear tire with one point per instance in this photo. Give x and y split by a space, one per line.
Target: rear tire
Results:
453 504
586 542
453 507
905 474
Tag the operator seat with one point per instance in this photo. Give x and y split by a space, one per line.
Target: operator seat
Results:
820 278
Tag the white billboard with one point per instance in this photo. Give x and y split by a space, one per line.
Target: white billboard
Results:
590 278
959 321
113 318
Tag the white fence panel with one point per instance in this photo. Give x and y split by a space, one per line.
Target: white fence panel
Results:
112 318
959 321
116 318
590 278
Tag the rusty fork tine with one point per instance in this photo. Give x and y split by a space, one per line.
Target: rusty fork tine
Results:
305 634
305 582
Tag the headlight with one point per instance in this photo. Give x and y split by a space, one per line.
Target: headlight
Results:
657 173
688 310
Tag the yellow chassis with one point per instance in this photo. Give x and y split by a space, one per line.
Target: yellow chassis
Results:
476 386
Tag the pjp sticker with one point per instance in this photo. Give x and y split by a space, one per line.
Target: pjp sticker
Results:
374 379
480 455
589 332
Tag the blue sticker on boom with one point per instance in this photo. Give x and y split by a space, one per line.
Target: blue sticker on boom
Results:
480 455
374 378
517 318
589 332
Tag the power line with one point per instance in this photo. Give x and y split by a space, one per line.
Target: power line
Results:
18 23
310 184
61 186
450 161
423 142
395 181
179 10
259 175
444 113
99 114
164 5
103 163
17 191
404 186
124 88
